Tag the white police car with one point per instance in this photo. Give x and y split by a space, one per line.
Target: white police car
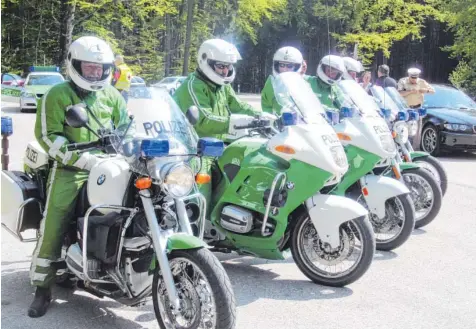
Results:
37 84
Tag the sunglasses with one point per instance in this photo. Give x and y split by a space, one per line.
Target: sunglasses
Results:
222 66
283 65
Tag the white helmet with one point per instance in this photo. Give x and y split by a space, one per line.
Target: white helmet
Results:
217 50
353 65
287 55
90 49
333 61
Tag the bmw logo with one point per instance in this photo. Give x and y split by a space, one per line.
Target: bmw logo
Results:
101 179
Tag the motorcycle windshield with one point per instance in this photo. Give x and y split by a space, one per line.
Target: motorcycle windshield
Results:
156 116
397 98
358 98
386 100
294 94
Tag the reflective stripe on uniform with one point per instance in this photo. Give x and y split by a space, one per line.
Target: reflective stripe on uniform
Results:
197 104
59 141
35 260
44 130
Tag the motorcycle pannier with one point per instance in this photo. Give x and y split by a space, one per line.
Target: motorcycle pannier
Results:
18 216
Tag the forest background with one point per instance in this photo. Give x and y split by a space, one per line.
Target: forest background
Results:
161 37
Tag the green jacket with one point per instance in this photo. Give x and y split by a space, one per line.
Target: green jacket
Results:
268 100
51 130
215 104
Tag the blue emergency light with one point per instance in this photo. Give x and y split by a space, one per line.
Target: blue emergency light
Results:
387 113
347 112
422 111
289 118
402 116
44 69
210 147
7 126
155 147
333 117
414 115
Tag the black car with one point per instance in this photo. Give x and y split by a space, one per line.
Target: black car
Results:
451 121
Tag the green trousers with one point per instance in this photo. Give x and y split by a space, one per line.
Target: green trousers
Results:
62 190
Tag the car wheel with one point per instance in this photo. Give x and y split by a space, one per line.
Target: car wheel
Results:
430 140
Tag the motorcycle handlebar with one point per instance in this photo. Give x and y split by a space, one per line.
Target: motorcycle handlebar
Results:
259 123
82 146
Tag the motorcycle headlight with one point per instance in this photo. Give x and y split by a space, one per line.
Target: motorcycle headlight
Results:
338 154
402 133
178 179
387 143
412 128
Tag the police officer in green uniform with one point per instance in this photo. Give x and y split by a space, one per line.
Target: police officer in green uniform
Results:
284 60
90 61
209 89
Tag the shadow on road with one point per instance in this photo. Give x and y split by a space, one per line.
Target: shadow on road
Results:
459 156
384 255
251 283
69 309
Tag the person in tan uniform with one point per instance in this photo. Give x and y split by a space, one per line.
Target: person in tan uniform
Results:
413 89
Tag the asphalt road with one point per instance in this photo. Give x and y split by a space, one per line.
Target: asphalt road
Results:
429 282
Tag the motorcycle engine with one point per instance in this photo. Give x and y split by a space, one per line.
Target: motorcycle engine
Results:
236 219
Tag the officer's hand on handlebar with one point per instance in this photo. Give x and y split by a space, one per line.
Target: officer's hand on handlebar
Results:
240 121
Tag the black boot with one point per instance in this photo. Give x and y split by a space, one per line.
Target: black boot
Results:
41 302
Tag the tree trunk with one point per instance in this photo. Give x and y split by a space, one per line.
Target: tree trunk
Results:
68 8
168 37
188 35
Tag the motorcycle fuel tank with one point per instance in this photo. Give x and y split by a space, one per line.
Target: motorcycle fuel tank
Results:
108 182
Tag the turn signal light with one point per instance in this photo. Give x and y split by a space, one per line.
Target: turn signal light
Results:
394 134
365 191
203 178
285 149
344 137
143 183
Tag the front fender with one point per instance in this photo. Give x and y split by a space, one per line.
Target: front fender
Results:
328 212
408 165
380 189
418 154
179 241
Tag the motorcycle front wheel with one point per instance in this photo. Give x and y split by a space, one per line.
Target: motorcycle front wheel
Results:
435 167
426 195
206 296
333 267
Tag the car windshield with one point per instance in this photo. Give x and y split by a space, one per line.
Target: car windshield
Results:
44 80
450 98
359 98
293 93
156 116
167 80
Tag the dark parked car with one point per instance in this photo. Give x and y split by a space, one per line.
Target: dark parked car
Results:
451 121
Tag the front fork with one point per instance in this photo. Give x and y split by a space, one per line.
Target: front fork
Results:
159 240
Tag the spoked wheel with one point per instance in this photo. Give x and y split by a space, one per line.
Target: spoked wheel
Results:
436 169
328 266
204 289
425 193
397 225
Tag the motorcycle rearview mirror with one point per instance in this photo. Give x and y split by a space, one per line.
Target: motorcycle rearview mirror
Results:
77 117
192 115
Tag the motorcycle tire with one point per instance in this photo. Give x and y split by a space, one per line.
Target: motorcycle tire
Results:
407 227
217 279
364 233
439 168
437 195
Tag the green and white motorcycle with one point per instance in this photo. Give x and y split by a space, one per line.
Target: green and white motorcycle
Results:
422 173
369 146
266 195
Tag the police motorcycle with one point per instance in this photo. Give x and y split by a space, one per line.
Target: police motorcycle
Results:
422 173
133 230
424 159
369 149
267 194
